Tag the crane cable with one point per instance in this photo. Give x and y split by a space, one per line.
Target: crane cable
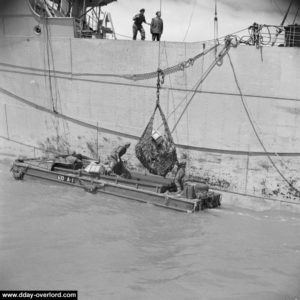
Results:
160 73
160 5
190 20
216 30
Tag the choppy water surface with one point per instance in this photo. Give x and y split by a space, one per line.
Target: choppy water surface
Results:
59 237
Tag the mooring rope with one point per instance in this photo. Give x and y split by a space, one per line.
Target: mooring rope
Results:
255 130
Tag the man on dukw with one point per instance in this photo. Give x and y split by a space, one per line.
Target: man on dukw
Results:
116 163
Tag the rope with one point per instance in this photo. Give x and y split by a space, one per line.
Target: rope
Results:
287 12
135 77
160 4
190 20
216 61
185 98
172 93
176 68
48 61
158 59
158 156
54 86
280 11
216 30
144 76
151 87
187 154
255 131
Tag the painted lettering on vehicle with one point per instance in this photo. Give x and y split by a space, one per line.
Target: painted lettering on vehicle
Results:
66 178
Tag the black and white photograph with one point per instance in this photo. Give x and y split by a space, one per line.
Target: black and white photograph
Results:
150 149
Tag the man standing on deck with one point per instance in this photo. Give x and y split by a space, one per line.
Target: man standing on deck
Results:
116 163
179 176
139 19
156 27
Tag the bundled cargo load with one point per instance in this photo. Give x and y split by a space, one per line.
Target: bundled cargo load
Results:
156 151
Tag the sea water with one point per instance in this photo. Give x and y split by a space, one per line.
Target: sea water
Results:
55 237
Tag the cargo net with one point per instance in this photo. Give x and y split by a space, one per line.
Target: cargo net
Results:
156 152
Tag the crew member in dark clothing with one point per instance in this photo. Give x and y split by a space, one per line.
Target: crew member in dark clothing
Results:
139 19
156 27
179 176
116 163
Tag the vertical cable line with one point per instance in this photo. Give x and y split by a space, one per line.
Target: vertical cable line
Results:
255 131
53 86
190 21
216 27
160 5
56 89
48 62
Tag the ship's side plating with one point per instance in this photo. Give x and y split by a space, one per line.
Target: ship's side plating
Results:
58 91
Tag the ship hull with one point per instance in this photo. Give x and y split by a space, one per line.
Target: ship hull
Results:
59 92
